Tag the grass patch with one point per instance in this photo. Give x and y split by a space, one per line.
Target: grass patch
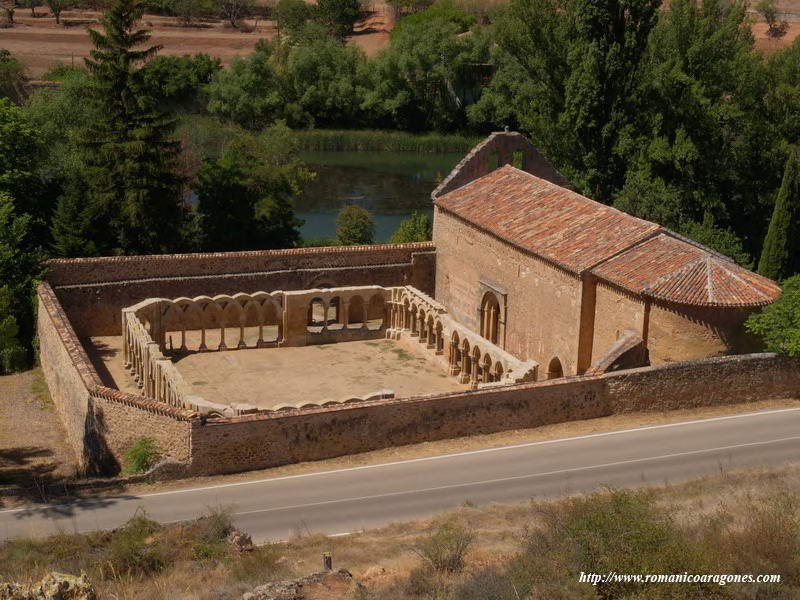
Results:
40 390
142 455
208 135
199 383
403 354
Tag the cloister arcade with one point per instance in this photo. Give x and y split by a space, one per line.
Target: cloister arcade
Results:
474 359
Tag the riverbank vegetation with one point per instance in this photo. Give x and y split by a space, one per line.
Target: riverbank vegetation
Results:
743 522
668 113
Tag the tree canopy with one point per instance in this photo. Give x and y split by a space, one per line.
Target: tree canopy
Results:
354 226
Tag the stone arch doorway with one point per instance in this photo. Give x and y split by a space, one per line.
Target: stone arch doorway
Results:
490 317
554 369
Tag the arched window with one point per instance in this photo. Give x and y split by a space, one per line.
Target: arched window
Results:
490 317
333 314
554 369
316 315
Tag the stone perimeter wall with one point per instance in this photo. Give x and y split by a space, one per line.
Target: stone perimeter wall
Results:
102 422
94 291
228 445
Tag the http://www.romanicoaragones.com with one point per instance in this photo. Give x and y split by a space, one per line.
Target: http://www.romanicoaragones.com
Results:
685 577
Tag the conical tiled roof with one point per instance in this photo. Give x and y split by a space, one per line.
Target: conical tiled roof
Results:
672 269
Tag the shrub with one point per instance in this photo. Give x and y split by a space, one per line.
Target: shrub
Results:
779 323
446 549
215 524
416 228
141 455
134 551
354 226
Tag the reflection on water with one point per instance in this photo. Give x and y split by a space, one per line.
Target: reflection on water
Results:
391 185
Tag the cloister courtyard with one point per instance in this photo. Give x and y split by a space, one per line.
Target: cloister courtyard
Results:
271 378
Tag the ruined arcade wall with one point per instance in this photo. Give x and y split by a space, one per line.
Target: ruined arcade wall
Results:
543 300
93 291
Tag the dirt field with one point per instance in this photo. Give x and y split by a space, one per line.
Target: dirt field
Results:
33 447
40 43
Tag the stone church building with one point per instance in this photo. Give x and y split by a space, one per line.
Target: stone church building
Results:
552 276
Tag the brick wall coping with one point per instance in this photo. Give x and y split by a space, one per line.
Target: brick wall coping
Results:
243 254
91 380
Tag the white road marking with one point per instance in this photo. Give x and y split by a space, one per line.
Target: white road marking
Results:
407 461
516 477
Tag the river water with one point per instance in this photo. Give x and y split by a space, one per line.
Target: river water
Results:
391 185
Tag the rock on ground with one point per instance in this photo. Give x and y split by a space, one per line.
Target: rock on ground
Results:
55 586
327 585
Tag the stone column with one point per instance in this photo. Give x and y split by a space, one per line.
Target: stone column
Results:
454 367
466 368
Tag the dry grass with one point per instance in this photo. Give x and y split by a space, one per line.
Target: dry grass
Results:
757 508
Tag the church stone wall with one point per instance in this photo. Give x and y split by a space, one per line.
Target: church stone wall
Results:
615 312
543 301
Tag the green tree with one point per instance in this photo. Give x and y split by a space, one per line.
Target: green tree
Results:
32 4
245 197
21 151
779 323
339 16
189 10
571 70
292 15
703 148
134 192
248 91
354 226
20 258
416 228
12 76
769 11
425 77
322 83
177 80
12 352
58 6
235 10
780 257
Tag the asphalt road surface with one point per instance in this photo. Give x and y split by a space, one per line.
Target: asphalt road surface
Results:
346 500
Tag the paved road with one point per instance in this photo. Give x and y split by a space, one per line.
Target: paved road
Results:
350 499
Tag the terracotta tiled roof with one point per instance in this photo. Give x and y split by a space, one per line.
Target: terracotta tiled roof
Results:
580 235
551 221
671 269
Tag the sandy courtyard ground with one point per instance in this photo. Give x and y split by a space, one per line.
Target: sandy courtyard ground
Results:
274 377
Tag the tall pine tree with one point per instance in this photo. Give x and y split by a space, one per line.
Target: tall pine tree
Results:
133 190
780 257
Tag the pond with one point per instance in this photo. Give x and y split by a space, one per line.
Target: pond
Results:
391 185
